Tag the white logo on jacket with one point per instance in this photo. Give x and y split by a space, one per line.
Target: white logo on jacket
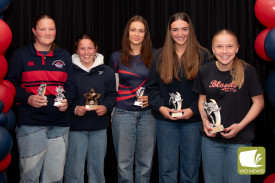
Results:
58 63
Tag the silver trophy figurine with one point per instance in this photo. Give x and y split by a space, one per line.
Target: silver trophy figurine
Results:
211 109
41 90
59 96
139 93
176 101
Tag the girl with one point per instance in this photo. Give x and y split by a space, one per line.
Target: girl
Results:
233 84
173 71
133 126
42 128
88 131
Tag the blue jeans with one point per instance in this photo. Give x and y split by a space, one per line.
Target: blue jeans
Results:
220 162
179 146
42 153
134 135
90 146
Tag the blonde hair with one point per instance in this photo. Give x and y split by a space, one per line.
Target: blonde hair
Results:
237 70
169 65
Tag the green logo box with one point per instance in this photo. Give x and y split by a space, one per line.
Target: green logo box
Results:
251 160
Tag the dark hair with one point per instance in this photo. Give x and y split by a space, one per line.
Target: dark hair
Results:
84 36
37 19
146 48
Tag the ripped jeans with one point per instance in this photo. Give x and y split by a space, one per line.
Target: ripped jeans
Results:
42 153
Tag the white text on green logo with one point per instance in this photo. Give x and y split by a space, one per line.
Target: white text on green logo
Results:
251 160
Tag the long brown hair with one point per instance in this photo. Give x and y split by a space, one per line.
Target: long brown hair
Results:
237 70
146 48
169 65
37 19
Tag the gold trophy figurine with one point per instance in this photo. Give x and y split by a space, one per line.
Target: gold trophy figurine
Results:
91 99
176 101
212 108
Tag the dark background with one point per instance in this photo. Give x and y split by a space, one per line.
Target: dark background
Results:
106 19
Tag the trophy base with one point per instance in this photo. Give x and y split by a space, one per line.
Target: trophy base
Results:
176 114
138 103
216 129
57 103
91 107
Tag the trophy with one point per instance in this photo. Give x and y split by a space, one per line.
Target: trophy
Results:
212 108
59 96
176 101
91 99
41 90
139 93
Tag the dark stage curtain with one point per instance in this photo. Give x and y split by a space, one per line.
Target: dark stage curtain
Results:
106 19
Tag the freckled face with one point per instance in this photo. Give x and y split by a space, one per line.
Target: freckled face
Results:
225 47
136 33
44 32
86 51
179 32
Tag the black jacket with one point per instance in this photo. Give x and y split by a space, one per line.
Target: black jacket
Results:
102 79
27 70
159 93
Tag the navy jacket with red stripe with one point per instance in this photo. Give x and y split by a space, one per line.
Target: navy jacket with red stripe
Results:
28 69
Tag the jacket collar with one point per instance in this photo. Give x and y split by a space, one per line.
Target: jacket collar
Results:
36 52
98 61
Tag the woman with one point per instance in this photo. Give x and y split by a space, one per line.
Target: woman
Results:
173 71
88 132
42 128
232 84
133 126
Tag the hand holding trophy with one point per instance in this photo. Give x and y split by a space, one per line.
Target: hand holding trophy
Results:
59 96
139 93
42 100
91 99
211 108
176 101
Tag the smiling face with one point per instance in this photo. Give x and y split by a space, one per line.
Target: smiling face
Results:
136 33
44 33
179 32
86 51
225 47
